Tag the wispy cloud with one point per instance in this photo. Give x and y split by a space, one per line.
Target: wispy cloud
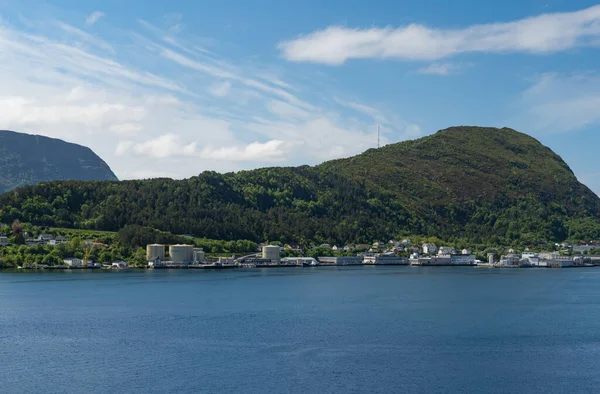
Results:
274 150
94 17
173 21
562 103
545 33
85 88
163 146
440 69
85 37
220 89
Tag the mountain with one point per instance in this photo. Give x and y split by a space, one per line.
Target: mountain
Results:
27 159
481 185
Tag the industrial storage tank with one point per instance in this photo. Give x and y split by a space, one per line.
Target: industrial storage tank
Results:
181 253
155 251
271 252
199 255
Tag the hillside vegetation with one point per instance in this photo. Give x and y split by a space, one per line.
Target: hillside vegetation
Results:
30 159
483 185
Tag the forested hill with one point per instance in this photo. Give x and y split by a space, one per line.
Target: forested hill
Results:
27 159
484 185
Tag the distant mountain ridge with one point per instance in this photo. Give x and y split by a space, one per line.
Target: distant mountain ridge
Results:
477 184
27 159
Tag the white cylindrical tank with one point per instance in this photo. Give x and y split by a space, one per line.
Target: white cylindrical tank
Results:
491 259
199 255
271 252
181 253
155 251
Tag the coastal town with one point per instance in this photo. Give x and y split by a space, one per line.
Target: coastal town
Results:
428 254
393 252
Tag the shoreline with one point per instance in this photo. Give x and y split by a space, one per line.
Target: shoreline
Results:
233 267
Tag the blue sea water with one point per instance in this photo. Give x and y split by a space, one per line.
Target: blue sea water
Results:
295 330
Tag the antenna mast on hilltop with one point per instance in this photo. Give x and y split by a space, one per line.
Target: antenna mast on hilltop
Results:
377 136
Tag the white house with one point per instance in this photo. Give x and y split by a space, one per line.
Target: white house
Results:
444 250
4 241
73 262
57 240
378 245
45 237
465 251
429 248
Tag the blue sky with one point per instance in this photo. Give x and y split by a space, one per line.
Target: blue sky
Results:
174 88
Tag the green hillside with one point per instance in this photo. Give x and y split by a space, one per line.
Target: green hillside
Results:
27 159
483 185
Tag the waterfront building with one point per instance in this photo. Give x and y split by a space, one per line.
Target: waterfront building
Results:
386 260
257 261
510 260
119 264
73 262
341 260
306 261
226 261
549 255
155 252
271 252
436 260
462 259
181 253
530 259
199 255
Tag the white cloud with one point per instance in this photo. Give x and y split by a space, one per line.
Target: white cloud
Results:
19 111
545 33
323 138
559 103
123 147
220 89
165 146
94 17
273 150
126 128
439 69
66 83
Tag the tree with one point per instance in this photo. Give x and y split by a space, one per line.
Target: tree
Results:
75 244
19 239
139 257
17 228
